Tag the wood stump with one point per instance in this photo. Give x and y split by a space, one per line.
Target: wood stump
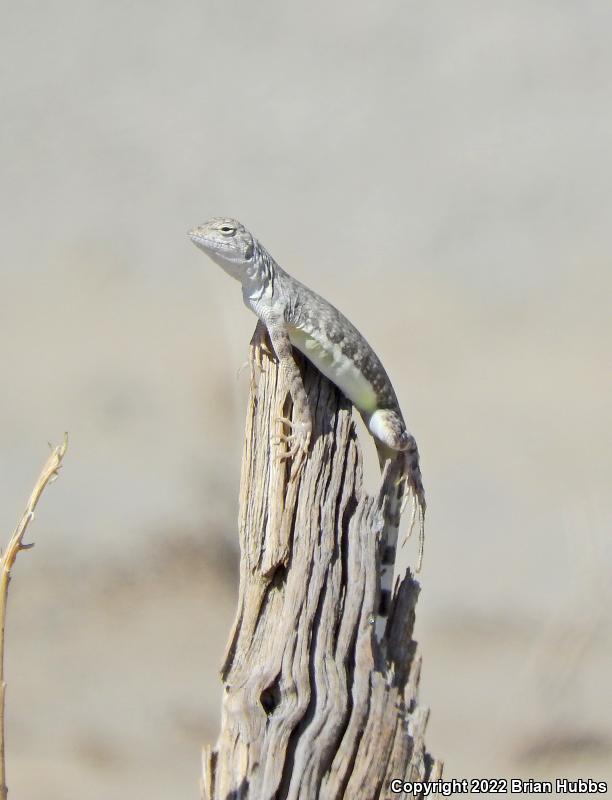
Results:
313 705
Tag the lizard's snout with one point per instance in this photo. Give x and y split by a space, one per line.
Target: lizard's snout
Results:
196 237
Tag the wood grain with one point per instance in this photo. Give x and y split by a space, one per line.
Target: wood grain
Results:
313 705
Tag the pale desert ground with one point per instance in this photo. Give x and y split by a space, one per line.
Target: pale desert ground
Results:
441 172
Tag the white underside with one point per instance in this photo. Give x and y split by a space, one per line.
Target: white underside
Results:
329 359
379 427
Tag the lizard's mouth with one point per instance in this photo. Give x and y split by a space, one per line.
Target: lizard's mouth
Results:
197 238
207 242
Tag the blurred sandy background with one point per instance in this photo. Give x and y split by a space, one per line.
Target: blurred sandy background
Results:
442 171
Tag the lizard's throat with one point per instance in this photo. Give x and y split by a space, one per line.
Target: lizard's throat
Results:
236 269
259 275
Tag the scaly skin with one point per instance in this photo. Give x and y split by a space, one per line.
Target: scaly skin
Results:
295 316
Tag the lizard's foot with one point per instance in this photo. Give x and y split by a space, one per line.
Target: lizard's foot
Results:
408 496
259 344
418 510
408 493
421 515
299 443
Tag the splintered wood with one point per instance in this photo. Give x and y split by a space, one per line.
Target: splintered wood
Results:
313 705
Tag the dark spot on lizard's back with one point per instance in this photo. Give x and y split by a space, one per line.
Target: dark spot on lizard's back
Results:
334 333
350 348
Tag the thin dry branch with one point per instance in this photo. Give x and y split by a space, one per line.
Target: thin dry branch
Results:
313 705
48 474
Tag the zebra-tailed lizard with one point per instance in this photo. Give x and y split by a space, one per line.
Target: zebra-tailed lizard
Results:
294 315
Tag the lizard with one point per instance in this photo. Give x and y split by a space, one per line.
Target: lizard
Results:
295 316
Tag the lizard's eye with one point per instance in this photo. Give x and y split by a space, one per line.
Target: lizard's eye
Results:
227 230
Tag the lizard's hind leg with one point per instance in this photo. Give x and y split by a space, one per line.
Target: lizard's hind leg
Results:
394 440
411 477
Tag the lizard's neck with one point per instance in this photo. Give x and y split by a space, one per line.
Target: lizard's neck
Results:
259 278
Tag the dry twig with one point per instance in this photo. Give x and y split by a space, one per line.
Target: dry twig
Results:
48 474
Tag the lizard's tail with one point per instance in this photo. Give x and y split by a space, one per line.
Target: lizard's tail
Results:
409 487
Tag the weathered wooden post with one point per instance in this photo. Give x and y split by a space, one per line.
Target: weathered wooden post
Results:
313 706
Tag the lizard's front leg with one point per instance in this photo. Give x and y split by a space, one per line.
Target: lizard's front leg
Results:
301 427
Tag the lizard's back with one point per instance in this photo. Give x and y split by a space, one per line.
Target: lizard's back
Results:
334 345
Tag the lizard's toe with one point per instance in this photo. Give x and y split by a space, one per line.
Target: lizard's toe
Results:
299 441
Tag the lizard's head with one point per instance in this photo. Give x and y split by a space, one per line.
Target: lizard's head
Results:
226 241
